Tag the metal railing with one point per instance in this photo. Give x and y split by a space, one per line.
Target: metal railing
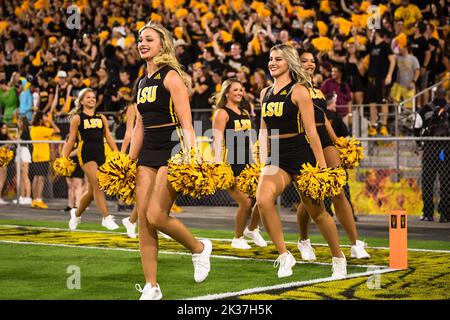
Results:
390 176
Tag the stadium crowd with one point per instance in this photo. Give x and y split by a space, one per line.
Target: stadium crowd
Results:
368 52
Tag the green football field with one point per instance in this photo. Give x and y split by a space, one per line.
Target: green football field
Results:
44 260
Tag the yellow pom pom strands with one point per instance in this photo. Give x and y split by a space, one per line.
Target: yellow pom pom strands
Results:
247 181
350 151
319 183
117 176
64 166
222 175
190 176
6 156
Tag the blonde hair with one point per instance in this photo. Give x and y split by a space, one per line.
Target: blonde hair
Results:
221 99
78 106
290 54
167 55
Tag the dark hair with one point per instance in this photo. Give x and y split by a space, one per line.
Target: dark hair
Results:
37 119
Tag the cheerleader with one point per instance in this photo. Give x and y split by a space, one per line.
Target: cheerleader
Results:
288 119
234 121
90 127
341 204
163 112
74 181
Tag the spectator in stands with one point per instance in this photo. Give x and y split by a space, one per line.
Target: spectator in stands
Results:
410 14
122 92
422 51
380 71
62 100
42 129
408 70
434 120
25 98
23 159
337 85
4 136
355 72
203 89
46 93
9 100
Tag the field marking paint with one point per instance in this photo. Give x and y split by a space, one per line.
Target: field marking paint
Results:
174 253
215 239
286 286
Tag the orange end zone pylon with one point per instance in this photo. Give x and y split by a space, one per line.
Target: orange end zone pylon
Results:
398 240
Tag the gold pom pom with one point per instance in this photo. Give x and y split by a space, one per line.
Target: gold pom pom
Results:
6 156
247 181
190 176
117 176
222 175
351 152
319 183
64 166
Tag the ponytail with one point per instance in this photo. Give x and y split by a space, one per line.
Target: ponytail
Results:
78 106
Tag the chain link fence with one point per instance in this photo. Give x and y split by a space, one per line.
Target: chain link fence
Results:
393 174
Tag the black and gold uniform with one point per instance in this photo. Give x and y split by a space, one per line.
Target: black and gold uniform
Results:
237 145
78 173
90 137
320 109
155 105
281 114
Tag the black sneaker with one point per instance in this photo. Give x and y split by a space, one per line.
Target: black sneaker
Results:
426 218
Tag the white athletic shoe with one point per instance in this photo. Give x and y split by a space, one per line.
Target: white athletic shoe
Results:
26 201
256 236
306 250
339 267
109 223
201 261
131 227
74 220
240 243
358 251
285 262
3 201
149 292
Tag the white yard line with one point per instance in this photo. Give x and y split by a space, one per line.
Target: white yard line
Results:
215 239
286 286
174 253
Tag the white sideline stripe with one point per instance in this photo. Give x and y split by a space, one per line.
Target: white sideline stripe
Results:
214 239
173 253
286 285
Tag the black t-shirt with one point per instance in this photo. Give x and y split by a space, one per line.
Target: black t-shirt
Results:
233 65
379 60
338 125
419 46
201 101
44 95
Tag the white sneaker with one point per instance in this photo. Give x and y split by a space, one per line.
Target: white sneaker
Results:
3 201
20 200
240 243
339 267
149 292
306 250
109 223
256 236
358 251
26 201
285 262
74 220
131 227
201 261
